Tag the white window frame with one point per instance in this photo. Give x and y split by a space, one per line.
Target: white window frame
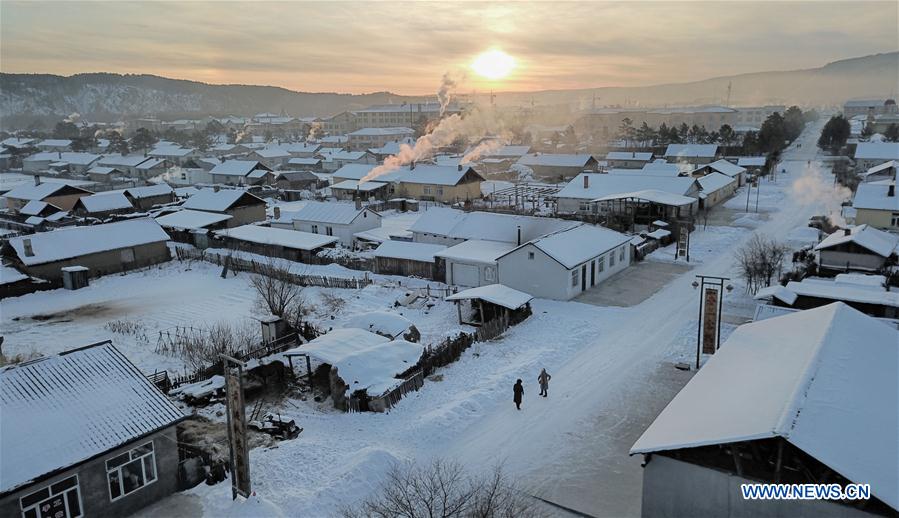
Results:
315 229
894 220
132 456
621 255
612 259
426 190
530 256
575 278
439 190
36 506
601 264
490 273
329 231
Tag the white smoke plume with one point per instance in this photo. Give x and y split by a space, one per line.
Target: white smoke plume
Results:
475 125
445 93
814 187
314 130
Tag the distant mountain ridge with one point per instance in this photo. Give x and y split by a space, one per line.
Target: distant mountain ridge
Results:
41 98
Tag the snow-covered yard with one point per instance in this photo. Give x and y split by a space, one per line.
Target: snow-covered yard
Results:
132 310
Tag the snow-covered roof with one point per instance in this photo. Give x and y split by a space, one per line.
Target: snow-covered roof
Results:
573 246
714 181
35 207
301 147
629 155
382 323
487 226
824 379
423 252
150 163
334 213
877 151
216 201
600 185
189 190
305 161
354 185
122 160
751 161
392 148
364 360
436 174
875 196
777 291
555 160
477 251
272 152
102 170
71 407
881 243
278 236
9 275
41 191
104 202
191 219
652 195
864 289
149 191
76 158
498 294
170 150
378 132
725 167
691 150
360 171
236 167
17 142
886 166
661 167
70 242
54 142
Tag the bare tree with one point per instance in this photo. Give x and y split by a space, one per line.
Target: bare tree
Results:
442 489
760 261
275 291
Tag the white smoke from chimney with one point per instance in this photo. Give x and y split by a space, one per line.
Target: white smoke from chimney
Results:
813 187
445 93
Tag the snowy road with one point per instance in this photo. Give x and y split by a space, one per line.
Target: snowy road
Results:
555 445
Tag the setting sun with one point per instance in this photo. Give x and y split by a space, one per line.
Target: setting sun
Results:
493 64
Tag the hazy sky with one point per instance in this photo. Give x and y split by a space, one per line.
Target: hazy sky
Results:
406 47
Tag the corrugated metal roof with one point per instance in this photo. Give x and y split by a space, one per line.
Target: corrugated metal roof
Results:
61 410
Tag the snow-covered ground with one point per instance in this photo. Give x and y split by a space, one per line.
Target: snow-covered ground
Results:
612 371
139 305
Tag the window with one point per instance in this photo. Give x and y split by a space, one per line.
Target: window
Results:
575 278
490 273
59 500
426 190
128 255
612 259
584 206
315 229
621 254
531 256
894 221
131 471
601 264
329 231
439 190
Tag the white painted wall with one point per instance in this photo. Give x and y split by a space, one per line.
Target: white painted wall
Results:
483 273
364 221
544 277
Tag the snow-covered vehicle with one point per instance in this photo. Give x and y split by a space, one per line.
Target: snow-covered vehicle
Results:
276 426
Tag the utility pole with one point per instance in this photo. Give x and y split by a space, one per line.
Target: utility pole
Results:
729 85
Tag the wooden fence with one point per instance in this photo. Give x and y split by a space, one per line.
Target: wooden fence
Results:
248 265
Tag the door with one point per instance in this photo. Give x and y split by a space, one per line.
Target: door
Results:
584 277
465 275
593 273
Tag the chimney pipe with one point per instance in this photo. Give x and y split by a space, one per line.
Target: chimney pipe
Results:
459 167
891 190
847 232
412 165
277 212
519 235
216 188
59 154
586 181
37 179
26 244
358 203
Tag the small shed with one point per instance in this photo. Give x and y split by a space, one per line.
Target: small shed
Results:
409 259
359 365
75 277
492 301
390 325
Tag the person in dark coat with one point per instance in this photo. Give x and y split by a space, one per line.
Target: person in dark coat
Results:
517 390
543 380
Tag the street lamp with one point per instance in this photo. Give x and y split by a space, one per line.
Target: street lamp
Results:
717 284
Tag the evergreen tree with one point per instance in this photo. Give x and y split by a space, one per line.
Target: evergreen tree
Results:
892 133
773 134
143 139
834 134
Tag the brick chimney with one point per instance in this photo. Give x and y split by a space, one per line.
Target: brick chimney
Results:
37 179
459 167
891 190
586 181
277 212
847 232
